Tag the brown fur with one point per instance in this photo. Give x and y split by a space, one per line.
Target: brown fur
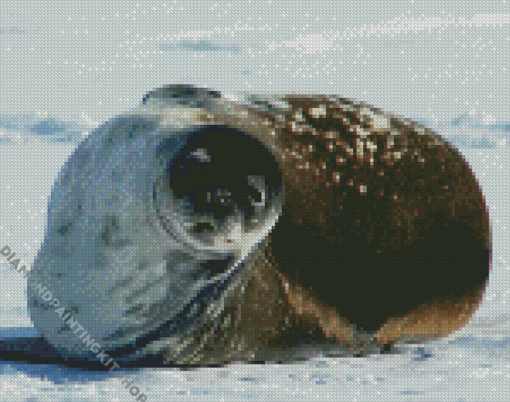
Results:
392 213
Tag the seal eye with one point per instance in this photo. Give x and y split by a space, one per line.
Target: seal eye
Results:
256 190
256 196
203 227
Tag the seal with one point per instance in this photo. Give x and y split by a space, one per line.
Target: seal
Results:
207 227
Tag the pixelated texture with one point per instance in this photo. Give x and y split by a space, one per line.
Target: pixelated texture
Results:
241 212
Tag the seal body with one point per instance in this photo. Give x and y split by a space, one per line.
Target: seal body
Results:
208 227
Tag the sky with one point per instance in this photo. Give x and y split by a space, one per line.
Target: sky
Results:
88 61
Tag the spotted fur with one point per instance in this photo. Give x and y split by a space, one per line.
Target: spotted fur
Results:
383 234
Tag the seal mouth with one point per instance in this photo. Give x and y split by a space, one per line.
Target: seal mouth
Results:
214 267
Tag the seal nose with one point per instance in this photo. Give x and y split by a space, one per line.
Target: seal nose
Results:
220 169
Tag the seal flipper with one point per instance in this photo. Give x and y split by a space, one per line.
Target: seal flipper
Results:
29 349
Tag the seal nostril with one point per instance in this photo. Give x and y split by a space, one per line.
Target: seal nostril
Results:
203 227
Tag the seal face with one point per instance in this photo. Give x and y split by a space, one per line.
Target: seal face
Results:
220 173
149 225
204 227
